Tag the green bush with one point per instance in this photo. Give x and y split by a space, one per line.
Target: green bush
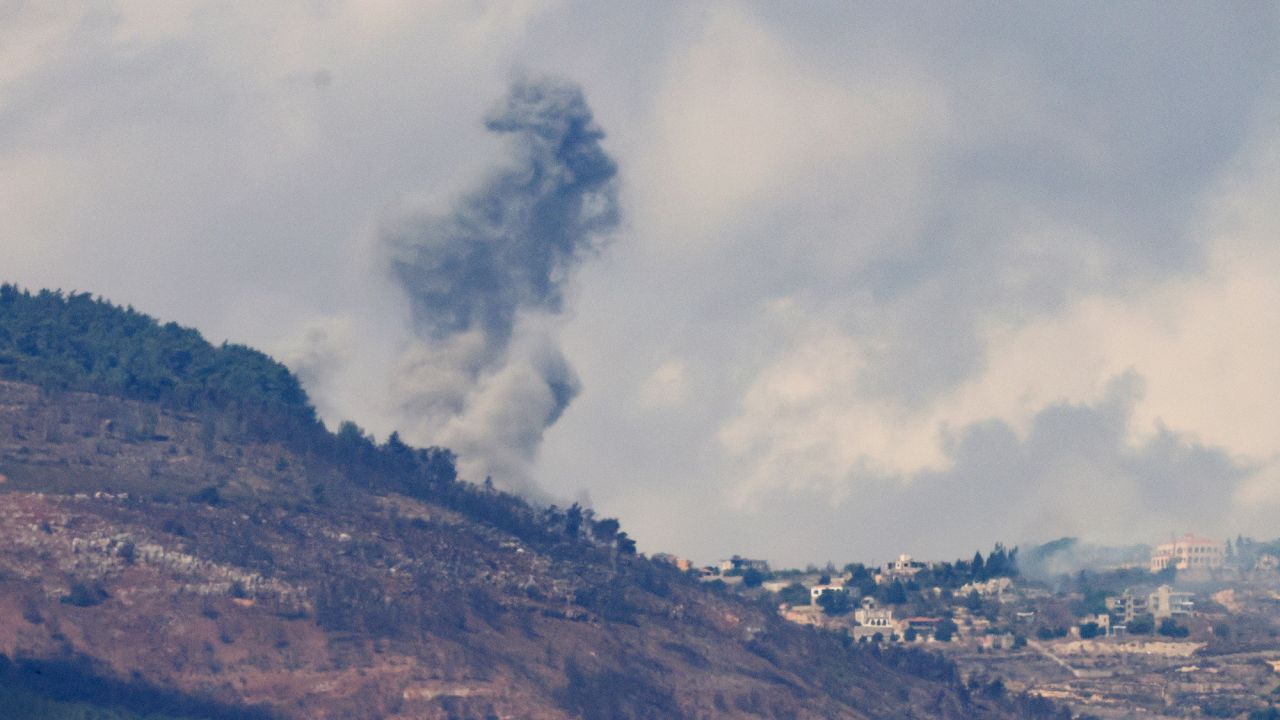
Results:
1170 628
835 602
83 595
794 594
1141 625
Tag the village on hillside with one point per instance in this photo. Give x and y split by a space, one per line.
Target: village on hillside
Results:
1189 628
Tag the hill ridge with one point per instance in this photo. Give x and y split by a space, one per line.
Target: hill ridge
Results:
339 578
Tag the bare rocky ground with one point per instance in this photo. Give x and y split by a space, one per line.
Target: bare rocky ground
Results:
1134 678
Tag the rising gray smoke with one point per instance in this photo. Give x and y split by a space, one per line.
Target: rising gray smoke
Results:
486 280
1067 556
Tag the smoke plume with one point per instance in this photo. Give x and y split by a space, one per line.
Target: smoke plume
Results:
485 283
1068 556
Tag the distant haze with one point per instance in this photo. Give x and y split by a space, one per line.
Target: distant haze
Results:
828 282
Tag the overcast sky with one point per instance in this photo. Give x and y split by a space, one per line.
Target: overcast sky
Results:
888 277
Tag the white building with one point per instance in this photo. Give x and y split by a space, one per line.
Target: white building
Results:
904 567
995 587
870 614
1163 602
1166 602
878 618
1188 553
738 564
1128 605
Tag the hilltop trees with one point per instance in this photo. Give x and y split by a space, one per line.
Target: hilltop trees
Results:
1000 562
75 342
997 563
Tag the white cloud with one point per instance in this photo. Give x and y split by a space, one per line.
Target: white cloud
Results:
667 386
1204 345
742 120
34 37
805 425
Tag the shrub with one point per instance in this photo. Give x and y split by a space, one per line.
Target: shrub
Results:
1141 625
1170 628
82 595
835 602
794 594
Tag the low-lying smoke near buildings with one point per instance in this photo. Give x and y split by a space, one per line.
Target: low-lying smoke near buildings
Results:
485 282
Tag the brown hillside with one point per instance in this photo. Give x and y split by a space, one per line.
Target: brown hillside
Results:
249 574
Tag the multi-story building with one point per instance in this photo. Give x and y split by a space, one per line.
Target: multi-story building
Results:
1166 602
1129 605
1163 602
1188 553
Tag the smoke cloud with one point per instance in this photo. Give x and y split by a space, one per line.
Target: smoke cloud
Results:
1068 556
485 283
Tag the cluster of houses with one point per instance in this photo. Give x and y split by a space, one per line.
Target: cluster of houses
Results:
871 615
870 619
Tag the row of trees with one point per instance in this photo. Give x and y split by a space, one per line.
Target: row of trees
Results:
431 474
999 562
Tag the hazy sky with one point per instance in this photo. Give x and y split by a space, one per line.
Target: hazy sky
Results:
889 277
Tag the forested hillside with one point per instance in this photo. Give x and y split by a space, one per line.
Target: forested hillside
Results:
177 528
77 342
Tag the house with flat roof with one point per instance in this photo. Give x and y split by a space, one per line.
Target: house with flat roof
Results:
1163 602
1166 602
739 564
816 591
1128 605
